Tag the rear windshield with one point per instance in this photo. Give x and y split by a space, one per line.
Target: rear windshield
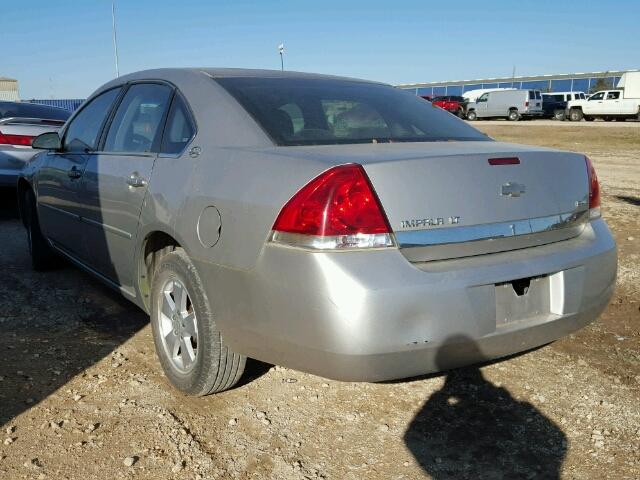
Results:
32 110
295 111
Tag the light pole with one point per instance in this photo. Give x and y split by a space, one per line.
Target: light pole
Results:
281 51
115 38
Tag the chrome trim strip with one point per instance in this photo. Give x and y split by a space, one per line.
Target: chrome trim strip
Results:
490 231
59 210
106 227
89 221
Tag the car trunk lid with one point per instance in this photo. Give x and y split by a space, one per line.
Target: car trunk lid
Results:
448 206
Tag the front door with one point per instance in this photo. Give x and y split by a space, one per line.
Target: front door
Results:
482 105
60 178
594 105
116 178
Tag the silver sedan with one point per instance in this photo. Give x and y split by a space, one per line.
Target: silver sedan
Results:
336 226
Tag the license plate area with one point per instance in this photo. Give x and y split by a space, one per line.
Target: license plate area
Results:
522 299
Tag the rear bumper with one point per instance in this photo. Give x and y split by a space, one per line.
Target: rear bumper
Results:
532 114
373 316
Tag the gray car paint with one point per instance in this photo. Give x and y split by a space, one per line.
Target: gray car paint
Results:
356 315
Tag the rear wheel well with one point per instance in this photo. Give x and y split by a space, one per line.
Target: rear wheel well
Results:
23 188
156 245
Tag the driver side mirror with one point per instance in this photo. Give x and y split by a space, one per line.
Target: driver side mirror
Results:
47 141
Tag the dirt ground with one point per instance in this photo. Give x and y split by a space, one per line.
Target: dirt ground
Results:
82 395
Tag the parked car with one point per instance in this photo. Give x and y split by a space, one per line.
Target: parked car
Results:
555 104
510 104
451 103
335 226
20 123
620 104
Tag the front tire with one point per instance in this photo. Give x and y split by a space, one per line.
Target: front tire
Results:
188 342
576 115
472 116
42 255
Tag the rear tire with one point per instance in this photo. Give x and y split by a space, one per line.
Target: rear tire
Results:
472 116
559 115
576 115
42 255
460 113
188 342
513 116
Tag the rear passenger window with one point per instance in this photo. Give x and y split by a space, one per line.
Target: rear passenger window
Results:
179 129
136 125
613 95
83 131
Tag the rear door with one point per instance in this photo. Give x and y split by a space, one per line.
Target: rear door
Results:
116 178
613 103
60 177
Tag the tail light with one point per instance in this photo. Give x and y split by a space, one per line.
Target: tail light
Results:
336 210
21 140
594 190
526 104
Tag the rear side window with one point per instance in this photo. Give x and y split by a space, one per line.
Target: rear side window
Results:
136 124
84 130
613 95
179 129
30 110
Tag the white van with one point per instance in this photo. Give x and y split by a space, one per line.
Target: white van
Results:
510 104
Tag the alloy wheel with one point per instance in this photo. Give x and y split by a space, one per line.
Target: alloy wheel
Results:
178 326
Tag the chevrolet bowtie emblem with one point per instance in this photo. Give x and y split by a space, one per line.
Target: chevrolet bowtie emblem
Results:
512 189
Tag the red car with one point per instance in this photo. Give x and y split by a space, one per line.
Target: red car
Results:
451 103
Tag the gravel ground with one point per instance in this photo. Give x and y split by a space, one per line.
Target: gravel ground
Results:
83 396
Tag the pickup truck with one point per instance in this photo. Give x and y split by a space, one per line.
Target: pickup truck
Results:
620 103
554 104
451 103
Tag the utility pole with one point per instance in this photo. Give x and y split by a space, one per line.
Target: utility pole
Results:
281 50
513 76
115 38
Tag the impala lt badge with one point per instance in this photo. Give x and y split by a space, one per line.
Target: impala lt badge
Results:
512 189
429 222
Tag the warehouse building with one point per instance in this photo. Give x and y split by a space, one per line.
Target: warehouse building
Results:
564 82
9 89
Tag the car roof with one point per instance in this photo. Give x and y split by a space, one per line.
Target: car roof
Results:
168 73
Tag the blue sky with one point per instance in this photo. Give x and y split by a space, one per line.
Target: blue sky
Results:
63 48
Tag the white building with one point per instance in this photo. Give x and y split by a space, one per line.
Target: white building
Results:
9 89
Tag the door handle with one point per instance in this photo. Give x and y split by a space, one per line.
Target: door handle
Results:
135 180
74 173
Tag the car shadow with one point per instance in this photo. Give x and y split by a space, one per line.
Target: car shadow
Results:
54 325
9 204
629 199
473 429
